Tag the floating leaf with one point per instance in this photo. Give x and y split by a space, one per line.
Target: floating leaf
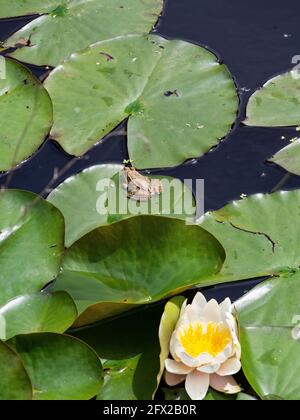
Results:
31 243
260 235
167 326
15 383
180 101
14 8
179 394
96 193
40 312
289 157
276 104
136 261
26 113
129 347
60 367
73 25
269 319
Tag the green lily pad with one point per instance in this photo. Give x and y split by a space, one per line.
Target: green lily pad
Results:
14 8
269 319
26 113
134 262
73 25
260 235
180 101
60 367
289 158
31 243
129 347
96 193
40 312
277 104
179 394
15 383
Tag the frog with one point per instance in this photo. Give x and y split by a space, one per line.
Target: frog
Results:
138 186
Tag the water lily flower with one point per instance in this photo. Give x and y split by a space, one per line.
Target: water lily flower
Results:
205 348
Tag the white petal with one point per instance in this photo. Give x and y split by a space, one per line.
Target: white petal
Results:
194 362
225 384
211 312
196 385
183 307
199 302
173 380
230 367
225 354
211 368
177 367
226 306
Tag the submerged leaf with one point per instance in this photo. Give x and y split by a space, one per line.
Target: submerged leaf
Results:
26 114
129 347
72 25
136 72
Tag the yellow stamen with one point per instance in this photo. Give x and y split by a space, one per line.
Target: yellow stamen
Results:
198 338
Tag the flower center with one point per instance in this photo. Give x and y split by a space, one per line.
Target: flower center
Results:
198 338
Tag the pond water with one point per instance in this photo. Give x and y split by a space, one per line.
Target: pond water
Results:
256 40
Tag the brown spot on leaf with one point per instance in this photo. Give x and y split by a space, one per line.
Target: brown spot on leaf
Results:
108 56
171 93
22 42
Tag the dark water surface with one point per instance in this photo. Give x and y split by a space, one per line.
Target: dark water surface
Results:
256 39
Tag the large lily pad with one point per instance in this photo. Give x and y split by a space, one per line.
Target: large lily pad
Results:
180 101
276 104
40 312
31 243
73 25
289 157
260 235
60 367
97 193
14 8
15 383
136 261
129 347
269 319
26 114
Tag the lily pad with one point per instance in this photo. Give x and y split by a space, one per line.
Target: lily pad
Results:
129 347
269 319
31 243
134 262
260 235
14 8
15 383
96 192
72 25
180 101
289 158
40 312
26 114
60 367
277 104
